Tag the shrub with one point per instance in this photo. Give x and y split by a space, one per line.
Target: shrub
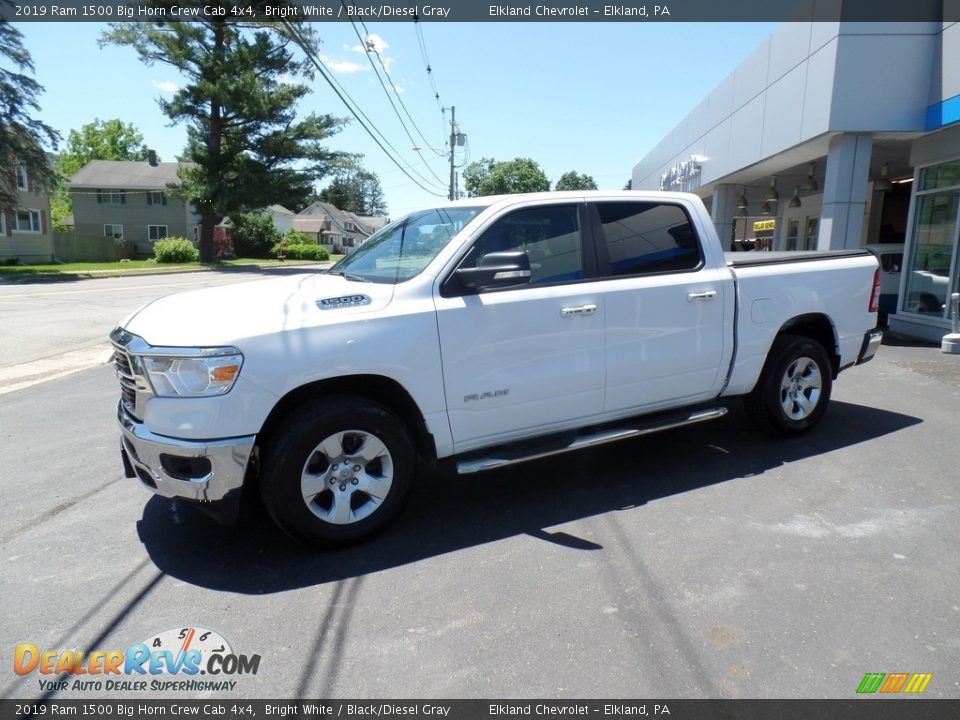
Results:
302 252
175 250
295 237
254 236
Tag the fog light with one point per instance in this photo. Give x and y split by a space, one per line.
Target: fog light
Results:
185 468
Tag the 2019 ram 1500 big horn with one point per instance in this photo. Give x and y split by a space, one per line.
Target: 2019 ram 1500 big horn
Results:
487 331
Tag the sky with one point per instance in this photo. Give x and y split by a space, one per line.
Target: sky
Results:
589 97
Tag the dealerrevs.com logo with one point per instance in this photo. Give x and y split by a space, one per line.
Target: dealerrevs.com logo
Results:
188 659
889 683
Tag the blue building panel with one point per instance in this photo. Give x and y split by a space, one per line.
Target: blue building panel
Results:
943 113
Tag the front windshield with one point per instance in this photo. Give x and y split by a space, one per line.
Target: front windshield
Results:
404 248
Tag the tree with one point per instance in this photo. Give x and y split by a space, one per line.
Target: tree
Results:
489 177
23 139
572 181
629 185
357 191
245 146
254 235
99 140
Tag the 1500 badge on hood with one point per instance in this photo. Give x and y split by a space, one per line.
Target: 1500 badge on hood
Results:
343 301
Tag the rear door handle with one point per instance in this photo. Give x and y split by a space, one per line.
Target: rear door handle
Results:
701 296
582 310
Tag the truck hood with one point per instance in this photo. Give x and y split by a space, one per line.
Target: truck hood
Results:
226 314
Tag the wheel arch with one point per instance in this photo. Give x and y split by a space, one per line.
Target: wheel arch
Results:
377 388
818 327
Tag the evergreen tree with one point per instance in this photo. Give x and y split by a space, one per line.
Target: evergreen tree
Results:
22 138
246 148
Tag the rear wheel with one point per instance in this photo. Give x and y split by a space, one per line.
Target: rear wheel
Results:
339 474
794 388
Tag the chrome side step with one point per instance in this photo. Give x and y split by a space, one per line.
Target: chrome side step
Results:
667 422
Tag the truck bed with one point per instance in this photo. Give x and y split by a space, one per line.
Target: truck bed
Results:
774 287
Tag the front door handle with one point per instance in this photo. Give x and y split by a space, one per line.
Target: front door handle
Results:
582 310
701 296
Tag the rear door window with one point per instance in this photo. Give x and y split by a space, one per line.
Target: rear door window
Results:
648 237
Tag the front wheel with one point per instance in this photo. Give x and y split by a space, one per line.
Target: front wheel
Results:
794 388
339 472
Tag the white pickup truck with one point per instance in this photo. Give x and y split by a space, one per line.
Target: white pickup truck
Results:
485 332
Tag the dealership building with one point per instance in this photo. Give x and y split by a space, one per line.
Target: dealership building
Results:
835 135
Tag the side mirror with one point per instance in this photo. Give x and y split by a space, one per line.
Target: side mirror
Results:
496 270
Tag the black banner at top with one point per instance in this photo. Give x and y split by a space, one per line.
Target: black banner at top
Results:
483 10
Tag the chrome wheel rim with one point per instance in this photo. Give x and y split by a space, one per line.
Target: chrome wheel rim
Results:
800 388
347 477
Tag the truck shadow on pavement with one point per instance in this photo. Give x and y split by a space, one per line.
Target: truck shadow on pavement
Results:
447 513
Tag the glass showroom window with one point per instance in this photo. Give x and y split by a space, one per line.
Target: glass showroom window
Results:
813 228
793 234
932 261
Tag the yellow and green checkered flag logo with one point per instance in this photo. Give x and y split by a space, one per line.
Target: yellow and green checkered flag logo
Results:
894 682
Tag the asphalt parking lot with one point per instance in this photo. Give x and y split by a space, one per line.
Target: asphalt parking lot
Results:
707 562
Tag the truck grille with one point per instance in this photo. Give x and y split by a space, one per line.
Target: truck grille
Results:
128 381
134 387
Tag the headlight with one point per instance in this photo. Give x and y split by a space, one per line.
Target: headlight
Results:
192 376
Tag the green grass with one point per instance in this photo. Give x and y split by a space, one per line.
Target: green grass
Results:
134 267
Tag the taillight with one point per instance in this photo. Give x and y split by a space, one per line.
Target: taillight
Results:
875 295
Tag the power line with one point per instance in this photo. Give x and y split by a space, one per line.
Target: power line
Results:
367 46
355 110
456 138
466 152
426 63
421 41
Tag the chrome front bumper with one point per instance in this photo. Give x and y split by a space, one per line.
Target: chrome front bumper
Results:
199 470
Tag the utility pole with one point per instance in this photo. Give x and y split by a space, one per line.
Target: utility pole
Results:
453 145
457 139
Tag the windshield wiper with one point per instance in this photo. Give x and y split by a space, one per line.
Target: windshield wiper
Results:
348 276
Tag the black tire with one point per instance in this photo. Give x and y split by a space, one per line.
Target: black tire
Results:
353 500
794 388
